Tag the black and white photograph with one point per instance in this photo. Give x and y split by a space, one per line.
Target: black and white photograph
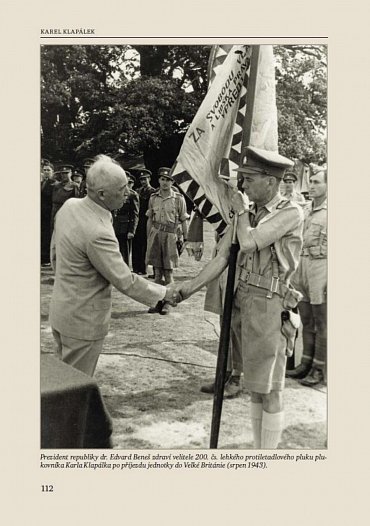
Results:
184 308
183 231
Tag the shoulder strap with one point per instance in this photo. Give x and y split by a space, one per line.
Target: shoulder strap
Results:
282 204
275 262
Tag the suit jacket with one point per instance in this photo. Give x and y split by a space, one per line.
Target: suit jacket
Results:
87 262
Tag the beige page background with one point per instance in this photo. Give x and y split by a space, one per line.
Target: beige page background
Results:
334 491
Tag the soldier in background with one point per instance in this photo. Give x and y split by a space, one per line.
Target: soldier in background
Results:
289 191
166 211
77 177
47 185
125 220
63 190
311 280
87 163
139 243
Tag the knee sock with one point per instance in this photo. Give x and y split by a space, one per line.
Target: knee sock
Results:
256 418
272 426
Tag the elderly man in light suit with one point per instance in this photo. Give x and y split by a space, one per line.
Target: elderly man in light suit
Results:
86 260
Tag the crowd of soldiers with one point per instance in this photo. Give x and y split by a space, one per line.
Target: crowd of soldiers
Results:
150 226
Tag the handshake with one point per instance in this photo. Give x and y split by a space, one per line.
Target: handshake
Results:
175 293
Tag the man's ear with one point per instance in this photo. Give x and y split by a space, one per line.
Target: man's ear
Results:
100 194
273 181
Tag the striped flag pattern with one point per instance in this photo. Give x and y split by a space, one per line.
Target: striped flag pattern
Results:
231 161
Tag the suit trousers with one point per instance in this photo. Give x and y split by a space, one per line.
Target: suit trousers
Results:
81 354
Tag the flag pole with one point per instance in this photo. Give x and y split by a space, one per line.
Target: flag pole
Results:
223 348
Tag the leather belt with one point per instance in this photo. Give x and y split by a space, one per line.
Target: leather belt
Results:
272 285
171 229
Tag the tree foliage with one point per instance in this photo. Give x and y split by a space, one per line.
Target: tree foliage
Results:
103 99
301 97
77 91
139 100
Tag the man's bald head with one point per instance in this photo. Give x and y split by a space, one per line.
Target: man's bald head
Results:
102 172
106 183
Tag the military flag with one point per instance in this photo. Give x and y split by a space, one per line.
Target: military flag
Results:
212 147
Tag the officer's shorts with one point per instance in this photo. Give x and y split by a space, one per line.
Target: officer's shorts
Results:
257 319
311 280
162 250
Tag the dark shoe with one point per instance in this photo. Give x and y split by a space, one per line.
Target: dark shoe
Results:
166 309
151 276
299 372
155 309
210 388
315 377
233 387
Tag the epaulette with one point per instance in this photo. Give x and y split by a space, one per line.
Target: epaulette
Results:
282 204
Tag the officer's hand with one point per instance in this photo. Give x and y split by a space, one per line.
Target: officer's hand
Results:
239 202
185 290
130 235
172 294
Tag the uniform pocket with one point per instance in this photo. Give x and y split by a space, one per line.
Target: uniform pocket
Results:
316 240
312 234
170 207
156 213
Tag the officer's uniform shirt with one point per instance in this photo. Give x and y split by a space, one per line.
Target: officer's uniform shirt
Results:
315 230
311 276
295 196
167 210
278 222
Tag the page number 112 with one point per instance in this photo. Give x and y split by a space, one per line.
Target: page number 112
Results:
47 488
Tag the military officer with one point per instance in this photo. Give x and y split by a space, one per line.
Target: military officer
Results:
86 165
139 242
47 186
290 180
63 189
270 237
126 218
311 281
166 213
77 177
